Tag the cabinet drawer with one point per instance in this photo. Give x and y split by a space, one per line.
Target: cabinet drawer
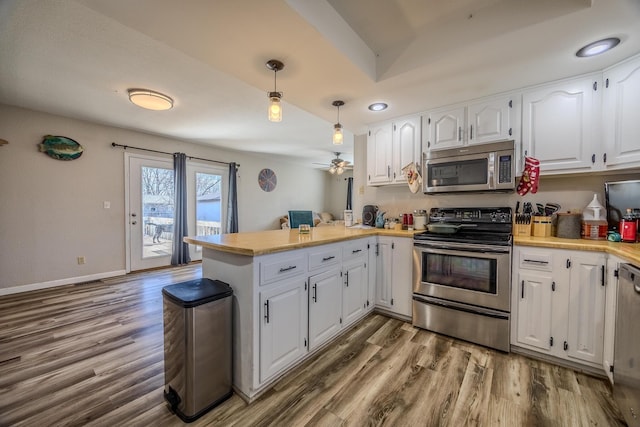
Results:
282 267
324 256
532 260
354 249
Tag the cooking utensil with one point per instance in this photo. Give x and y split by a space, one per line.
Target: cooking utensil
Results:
551 208
540 208
447 228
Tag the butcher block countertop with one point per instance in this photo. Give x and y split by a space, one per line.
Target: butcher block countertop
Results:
628 251
272 241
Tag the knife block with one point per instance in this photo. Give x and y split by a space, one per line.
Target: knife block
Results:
521 229
541 226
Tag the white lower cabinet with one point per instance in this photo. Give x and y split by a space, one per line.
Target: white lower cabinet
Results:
354 295
613 265
283 325
559 301
394 274
325 307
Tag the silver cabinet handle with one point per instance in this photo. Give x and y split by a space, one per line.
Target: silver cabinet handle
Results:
266 311
283 269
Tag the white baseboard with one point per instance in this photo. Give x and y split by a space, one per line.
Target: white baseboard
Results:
60 282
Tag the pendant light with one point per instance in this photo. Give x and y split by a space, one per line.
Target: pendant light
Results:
275 108
338 136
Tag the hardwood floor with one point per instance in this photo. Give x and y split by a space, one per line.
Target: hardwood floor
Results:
92 354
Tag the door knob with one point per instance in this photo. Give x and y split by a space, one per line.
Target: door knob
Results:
134 215
134 222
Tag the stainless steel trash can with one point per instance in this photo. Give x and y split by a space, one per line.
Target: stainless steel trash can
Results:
197 346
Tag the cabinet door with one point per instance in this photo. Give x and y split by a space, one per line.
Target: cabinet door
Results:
535 292
610 308
379 152
283 325
354 291
406 146
384 266
557 125
585 338
490 121
446 128
372 274
620 114
325 307
402 275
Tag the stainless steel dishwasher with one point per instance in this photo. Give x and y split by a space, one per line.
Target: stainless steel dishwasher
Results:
626 374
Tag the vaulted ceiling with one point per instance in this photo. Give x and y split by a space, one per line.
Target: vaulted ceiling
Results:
77 58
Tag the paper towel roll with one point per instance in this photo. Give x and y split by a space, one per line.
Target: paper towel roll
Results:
569 225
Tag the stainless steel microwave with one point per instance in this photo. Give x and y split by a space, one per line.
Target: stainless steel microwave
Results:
479 168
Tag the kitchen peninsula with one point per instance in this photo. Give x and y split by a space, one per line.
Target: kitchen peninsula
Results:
294 293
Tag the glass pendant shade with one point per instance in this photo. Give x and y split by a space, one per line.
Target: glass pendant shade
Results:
275 109
338 137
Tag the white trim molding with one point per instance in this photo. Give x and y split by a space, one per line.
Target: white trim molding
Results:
60 282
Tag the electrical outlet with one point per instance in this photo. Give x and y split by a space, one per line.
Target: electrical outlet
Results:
81 260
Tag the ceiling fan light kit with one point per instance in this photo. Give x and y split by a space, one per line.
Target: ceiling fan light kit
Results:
275 107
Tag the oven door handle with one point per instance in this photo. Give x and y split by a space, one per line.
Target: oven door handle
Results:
461 250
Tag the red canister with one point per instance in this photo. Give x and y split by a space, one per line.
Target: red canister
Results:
628 227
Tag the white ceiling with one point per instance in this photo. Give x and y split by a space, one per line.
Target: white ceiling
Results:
77 58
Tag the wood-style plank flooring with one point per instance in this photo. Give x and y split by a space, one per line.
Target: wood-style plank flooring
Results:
92 354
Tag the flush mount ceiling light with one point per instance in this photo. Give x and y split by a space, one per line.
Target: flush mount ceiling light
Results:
378 106
598 47
338 137
149 99
275 109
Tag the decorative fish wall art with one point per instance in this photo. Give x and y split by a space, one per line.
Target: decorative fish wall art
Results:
61 147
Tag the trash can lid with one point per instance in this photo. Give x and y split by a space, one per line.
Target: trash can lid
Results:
197 292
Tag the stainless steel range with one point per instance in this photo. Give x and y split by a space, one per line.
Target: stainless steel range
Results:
462 275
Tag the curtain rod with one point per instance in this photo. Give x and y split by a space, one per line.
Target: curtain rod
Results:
113 144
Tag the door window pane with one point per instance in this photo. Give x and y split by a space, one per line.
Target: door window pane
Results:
208 204
157 208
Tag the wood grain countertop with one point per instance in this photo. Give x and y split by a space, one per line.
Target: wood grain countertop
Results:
628 251
272 241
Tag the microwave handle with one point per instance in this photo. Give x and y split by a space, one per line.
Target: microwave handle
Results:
492 167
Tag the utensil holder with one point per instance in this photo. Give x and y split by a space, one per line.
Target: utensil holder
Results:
541 226
522 229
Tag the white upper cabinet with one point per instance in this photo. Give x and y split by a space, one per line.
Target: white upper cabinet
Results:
559 122
379 152
406 146
390 147
487 120
446 128
621 115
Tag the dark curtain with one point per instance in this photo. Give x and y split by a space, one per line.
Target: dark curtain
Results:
349 192
180 253
232 205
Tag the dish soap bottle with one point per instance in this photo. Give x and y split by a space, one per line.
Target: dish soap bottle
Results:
628 227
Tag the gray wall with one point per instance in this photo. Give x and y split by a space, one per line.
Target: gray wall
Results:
52 211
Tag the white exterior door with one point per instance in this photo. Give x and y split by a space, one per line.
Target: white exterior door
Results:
149 207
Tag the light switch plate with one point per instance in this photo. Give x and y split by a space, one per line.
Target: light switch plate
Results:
106 205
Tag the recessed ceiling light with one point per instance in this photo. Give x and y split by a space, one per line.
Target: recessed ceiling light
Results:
378 106
149 99
596 48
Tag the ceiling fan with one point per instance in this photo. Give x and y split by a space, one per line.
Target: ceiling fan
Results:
337 165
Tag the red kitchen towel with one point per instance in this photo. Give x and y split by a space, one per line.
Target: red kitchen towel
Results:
530 176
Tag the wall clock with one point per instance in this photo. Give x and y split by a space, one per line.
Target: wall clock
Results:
267 180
